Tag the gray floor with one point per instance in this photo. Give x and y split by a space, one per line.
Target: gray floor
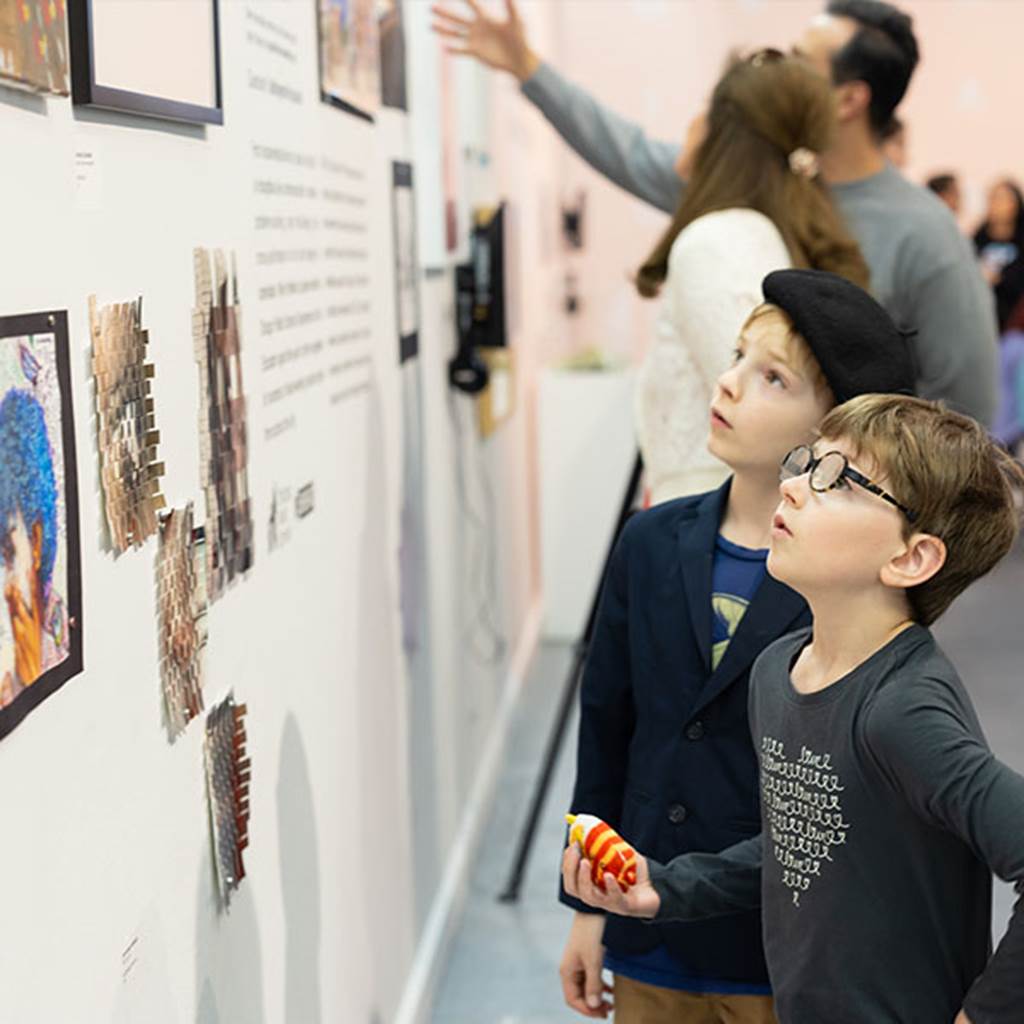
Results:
504 964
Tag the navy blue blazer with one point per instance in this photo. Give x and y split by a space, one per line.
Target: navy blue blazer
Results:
665 754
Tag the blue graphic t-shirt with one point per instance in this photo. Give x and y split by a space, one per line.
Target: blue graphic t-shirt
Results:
736 574
735 577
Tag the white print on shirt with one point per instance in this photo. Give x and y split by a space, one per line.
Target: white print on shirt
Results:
804 812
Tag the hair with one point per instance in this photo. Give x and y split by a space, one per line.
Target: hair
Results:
882 53
760 113
946 469
27 483
1018 228
892 128
940 183
796 351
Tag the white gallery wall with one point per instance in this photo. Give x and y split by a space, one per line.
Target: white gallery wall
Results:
109 911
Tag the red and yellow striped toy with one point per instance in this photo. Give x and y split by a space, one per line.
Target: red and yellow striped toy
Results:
607 851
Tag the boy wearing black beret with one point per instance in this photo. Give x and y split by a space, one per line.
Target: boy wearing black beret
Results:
665 754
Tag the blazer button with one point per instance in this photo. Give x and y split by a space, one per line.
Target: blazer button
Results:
695 731
677 814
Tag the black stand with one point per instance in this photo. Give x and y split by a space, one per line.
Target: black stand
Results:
572 682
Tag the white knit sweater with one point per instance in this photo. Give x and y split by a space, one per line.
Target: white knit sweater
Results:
715 270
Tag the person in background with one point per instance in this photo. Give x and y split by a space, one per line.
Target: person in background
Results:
999 242
947 188
894 143
754 204
922 269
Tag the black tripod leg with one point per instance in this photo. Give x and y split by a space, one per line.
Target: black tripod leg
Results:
510 894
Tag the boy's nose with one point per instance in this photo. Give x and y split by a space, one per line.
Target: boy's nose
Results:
729 382
794 490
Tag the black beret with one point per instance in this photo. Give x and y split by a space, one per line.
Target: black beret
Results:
858 347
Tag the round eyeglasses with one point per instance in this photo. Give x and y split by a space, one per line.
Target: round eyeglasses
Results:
828 470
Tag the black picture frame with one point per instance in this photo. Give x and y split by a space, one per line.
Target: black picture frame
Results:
402 181
87 91
349 108
326 96
54 322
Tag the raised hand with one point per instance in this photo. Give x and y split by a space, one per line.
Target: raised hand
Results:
497 42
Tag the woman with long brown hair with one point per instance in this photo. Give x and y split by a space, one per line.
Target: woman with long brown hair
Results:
754 203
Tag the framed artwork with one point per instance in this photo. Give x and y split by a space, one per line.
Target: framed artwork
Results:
34 45
350 55
160 58
391 29
450 156
406 296
41 615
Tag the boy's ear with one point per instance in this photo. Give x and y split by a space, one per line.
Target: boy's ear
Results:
922 557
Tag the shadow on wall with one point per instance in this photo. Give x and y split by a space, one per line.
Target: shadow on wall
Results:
28 101
378 691
300 880
229 964
417 676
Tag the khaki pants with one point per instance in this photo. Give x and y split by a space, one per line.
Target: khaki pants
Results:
637 1003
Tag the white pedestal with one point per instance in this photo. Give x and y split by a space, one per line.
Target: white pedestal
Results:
587 446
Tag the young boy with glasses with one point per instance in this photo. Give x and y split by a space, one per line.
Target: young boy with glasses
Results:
664 746
884 812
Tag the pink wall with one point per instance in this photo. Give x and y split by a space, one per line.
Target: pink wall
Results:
963 109
655 61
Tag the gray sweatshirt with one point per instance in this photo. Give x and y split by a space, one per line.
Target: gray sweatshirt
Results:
884 815
923 270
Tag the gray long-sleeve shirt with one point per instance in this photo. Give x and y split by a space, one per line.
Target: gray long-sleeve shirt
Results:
884 814
922 269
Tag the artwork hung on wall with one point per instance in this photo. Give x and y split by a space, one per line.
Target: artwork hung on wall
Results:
227 790
450 155
126 418
391 29
350 56
223 439
33 45
403 209
412 522
181 610
41 618
156 59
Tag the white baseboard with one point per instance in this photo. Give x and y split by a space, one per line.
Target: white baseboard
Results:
446 910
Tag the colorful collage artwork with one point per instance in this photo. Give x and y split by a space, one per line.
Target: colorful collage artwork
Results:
223 437
129 470
181 604
41 618
41 615
391 28
227 786
350 55
34 45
